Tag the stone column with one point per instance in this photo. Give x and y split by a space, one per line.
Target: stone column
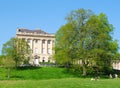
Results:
46 46
40 46
32 45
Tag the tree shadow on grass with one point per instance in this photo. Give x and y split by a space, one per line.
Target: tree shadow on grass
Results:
28 68
17 77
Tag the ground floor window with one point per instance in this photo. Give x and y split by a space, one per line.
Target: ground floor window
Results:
43 60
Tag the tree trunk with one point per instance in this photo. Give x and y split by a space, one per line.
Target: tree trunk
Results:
84 71
16 63
84 68
8 72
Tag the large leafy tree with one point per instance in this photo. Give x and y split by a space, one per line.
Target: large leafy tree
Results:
73 37
18 50
101 45
63 48
86 38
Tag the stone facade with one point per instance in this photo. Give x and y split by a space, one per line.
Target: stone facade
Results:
41 44
116 64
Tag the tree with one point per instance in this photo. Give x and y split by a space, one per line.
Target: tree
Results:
17 49
63 47
86 38
76 38
8 63
79 19
102 47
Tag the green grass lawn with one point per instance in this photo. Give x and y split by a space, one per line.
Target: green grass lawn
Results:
50 77
61 83
36 73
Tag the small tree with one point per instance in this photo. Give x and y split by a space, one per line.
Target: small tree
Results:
8 63
18 50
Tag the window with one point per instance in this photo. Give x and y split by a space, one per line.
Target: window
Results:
19 30
43 60
43 41
49 51
28 41
49 41
36 41
43 50
36 50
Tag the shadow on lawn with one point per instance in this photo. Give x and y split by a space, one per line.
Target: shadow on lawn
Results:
28 68
19 77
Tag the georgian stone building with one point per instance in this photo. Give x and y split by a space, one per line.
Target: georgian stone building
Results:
116 64
41 44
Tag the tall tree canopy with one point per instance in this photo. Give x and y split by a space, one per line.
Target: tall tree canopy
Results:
17 49
86 38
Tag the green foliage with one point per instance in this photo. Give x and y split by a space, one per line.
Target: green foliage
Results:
17 49
8 63
63 44
36 73
86 37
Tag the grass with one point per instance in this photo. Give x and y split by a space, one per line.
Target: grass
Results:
61 83
36 73
51 77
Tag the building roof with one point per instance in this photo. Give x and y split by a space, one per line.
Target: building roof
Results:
31 31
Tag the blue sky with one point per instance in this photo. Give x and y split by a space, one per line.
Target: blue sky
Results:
49 15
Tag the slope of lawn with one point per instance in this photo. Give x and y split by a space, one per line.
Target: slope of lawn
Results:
50 77
61 83
35 73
